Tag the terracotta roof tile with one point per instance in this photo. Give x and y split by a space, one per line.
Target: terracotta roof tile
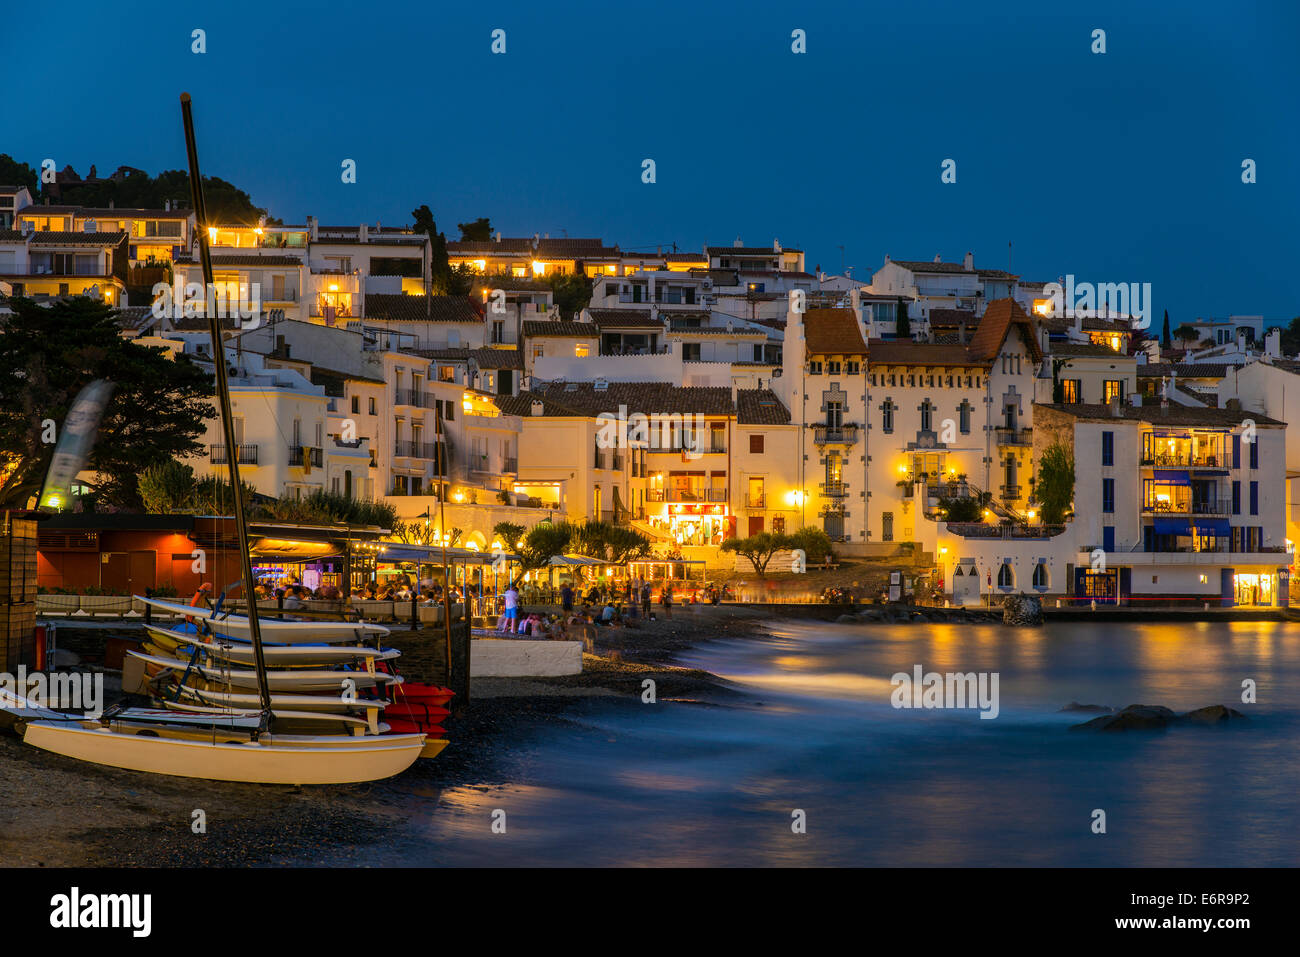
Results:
50 238
1173 414
624 319
996 323
403 308
534 328
760 407
497 358
833 332
583 398
250 259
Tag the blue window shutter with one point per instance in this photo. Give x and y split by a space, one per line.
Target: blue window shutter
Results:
1236 451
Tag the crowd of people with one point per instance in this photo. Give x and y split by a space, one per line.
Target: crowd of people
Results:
602 604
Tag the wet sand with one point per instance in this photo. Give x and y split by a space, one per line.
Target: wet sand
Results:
61 812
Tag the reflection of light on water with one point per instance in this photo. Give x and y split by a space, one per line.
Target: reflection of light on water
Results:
678 784
841 684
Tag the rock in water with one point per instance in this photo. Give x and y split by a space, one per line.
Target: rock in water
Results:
1136 717
846 620
1022 610
1213 715
1088 708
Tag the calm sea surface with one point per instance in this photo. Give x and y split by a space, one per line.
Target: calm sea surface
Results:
625 783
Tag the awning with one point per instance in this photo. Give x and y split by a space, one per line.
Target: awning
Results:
1172 526
1214 526
574 560
287 550
432 555
1170 477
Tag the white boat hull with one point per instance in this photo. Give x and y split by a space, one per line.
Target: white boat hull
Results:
279 702
241 653
274 629
298 681
343 760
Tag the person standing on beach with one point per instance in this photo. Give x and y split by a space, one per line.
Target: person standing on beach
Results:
645 600
666 599
512 609
566 598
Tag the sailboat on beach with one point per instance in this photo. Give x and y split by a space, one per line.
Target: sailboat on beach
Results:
234 735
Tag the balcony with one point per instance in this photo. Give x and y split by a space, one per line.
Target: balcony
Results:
244 455
414 398
1188 506
1184 460
1011 492
833 489
281 295
756 501
301 456
1004 532
686 495
835 435
510 466
416 450
1009 436
55 272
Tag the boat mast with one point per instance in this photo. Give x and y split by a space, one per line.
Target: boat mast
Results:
442 531
223 400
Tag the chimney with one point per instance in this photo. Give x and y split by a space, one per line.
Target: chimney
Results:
961 329
737 244
776 246
1273 343
313 229
1115 409
937 258
498 235
969 262
110 204
536 408
363 233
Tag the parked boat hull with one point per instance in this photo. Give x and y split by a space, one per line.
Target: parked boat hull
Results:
279 680
275 630
374 758
241 653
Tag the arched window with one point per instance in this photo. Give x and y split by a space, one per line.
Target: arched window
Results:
1042 579
1006 577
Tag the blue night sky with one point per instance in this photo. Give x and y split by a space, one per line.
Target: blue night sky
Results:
1123 167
